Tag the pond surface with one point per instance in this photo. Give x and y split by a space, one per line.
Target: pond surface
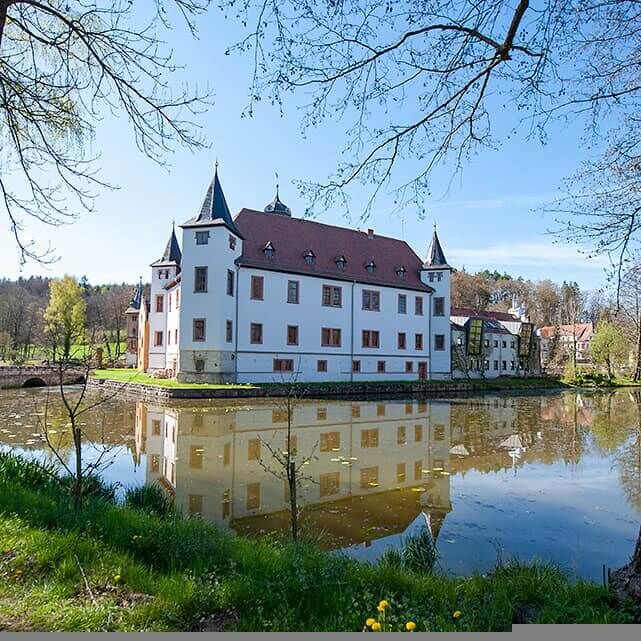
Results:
555 477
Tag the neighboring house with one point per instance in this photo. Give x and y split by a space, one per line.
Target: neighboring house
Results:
491 344
563 339
263 296
132 325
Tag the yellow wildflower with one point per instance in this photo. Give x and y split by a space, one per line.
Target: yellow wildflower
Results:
410 626
382 606
376 626
458 614
116 578
370 622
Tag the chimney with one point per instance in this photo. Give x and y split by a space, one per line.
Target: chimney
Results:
370 234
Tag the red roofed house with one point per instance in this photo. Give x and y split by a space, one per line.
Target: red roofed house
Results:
263 296
570 337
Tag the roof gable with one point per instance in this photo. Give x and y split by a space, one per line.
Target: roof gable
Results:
581 331
293 238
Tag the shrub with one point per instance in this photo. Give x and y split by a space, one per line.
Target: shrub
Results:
417 553
150 499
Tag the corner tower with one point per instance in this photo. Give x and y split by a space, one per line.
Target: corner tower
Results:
163 271
211 245
438 275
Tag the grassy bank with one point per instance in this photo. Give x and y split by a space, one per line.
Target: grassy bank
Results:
134 376
126 568
124 375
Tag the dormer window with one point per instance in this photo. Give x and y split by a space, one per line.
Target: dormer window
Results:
371 267
309 257
401 272
340 263
269 250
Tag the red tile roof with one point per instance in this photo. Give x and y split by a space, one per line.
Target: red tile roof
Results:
293 237
472 313
582 331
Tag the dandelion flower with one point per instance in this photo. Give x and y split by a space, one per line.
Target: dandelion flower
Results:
410 626
383 605
116 578
457 615
370 622
376 626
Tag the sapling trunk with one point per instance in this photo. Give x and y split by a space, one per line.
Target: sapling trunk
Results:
636 557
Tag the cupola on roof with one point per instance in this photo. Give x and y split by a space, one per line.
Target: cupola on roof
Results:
276 206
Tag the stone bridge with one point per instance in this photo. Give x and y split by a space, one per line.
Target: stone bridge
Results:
38 376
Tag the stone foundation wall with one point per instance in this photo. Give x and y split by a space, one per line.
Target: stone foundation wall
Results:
218 367
316 390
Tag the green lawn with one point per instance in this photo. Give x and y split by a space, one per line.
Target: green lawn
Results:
145 568
496 384
134 376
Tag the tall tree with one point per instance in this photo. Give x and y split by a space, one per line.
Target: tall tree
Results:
65 317
572 307
63 65
630 313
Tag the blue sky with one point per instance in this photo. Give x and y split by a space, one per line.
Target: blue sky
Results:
485 215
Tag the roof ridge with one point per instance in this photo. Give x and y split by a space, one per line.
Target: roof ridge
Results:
323 224
316 222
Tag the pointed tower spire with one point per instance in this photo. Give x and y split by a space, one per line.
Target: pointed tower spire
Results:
136 298
172 253
214 209
435 254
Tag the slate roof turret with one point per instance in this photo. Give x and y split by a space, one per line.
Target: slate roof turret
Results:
435 254
214 209
172 254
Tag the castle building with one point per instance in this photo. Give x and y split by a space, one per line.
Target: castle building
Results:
264 296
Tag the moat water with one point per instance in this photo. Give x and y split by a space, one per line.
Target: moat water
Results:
554 477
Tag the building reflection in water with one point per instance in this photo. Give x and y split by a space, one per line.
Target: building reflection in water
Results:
378 468
374 466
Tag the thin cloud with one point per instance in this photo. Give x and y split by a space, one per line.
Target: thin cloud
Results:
530 254
501 202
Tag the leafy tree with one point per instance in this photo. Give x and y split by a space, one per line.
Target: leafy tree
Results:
65 316
609 345
63 66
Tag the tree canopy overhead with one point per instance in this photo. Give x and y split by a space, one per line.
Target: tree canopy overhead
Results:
65 64
422 83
